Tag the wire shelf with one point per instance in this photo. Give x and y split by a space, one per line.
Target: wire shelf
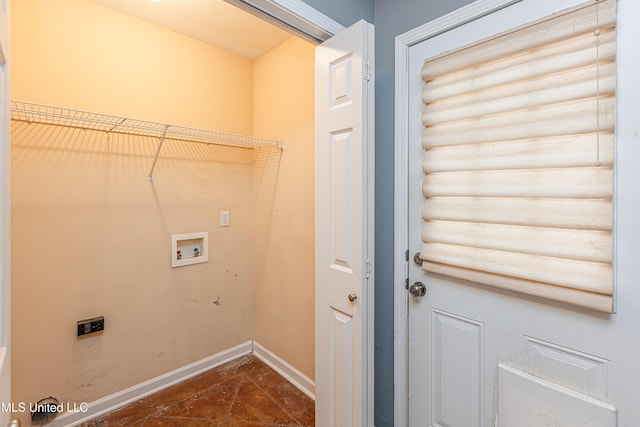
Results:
60 116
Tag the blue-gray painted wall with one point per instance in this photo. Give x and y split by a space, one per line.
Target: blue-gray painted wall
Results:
391 18
346 12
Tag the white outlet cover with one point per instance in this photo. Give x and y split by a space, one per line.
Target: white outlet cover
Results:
224 219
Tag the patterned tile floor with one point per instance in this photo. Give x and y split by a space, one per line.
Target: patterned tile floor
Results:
243 392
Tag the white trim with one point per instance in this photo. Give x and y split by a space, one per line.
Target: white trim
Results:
458 17
5 211
121 398
303 11
403 42
401 237
294 376
136 392
293 15
369 327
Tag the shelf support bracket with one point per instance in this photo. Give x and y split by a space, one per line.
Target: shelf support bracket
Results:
155 159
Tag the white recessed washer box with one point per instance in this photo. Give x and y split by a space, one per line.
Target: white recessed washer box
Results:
189 248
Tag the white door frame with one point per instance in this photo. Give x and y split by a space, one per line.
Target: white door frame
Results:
403 43
293 15
5 214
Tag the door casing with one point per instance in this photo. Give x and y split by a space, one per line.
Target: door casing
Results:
5 212
401 258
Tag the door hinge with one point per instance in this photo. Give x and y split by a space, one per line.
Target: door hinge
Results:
406 258
368 72
367 269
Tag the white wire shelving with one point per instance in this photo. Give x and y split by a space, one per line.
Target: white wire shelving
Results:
60 116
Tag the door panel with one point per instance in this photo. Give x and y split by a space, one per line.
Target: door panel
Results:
456 366
344 228
341 339
341 220
529 400
460 333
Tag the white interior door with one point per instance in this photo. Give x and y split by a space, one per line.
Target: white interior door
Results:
344 228
485 357
5 246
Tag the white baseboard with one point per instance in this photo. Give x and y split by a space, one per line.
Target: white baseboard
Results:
294 376
134 393
138 391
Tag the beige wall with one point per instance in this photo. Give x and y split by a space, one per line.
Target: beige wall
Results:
284 205
90 235
76 53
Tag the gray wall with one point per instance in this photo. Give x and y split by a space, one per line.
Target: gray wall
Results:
345 12
391 18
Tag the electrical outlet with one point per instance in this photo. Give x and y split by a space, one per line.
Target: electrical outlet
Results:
224 218
89 326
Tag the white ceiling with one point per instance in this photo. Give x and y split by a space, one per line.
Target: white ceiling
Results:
211 21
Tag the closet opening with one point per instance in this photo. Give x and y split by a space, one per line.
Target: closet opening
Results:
91 236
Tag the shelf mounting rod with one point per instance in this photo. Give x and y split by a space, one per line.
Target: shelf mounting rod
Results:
155 159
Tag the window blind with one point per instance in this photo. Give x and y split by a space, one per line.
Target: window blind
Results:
518 161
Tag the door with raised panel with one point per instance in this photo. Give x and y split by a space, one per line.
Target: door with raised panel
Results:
344 228
481 356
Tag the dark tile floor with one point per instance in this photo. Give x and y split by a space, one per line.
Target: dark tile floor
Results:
243 392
